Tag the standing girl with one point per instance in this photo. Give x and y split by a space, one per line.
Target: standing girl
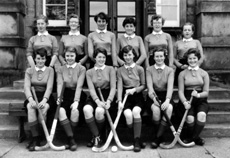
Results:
131 80
41 78
158 39
74 39
72 75
104 39
160 80
194 82
42 40
103 77
130 38
182 46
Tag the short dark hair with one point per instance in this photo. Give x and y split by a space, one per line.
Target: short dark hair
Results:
102 16
74 16
191 24
42 52
194 51
41 16
160 49
71 49
129 20
127 49
157 17
99 50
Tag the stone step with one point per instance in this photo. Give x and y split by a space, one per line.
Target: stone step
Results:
216 130
4 104
12 93
18 84
5 119
218 117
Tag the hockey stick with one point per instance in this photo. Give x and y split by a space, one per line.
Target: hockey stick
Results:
48 138
112 127
175 133
110 137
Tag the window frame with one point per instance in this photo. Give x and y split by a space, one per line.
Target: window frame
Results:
171 23
56 22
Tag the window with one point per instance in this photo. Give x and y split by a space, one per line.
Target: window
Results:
170 10
57 11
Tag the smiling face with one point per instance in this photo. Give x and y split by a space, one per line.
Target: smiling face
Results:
101 24
159 58
129 29
187 31
70 57
192 60
74 24
41 25
128 57
157 25
100 60
40 61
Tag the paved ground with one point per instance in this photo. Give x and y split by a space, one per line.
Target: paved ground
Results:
214 148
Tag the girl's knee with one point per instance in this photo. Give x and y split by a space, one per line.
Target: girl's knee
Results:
190 119
136 112
87 109
201 116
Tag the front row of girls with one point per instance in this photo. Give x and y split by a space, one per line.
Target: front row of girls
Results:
193 81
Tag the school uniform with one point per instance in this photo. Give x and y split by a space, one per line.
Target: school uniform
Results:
160 83
42 81
46 41
129 77
106 40
136 42
189 79
105 79
159 40
77 41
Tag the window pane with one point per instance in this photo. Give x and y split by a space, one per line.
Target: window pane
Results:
93 25
126 8
97 7
71 7
168 15
119 24
55 1
55 13
167 2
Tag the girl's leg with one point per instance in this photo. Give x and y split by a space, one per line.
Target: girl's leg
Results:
89 118
64 121
137 128
34 127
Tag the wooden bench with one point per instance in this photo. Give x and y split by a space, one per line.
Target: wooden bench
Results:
22 117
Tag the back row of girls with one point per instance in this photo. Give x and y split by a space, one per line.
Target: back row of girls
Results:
130 78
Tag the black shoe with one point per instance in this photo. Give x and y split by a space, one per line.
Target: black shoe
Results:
72 145
143 145
199 141
29 144
188 140
91 143
155 143
97 142
137 147
35 142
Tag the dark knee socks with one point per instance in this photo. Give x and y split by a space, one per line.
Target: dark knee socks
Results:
137 127
67 127
92 126
198 129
